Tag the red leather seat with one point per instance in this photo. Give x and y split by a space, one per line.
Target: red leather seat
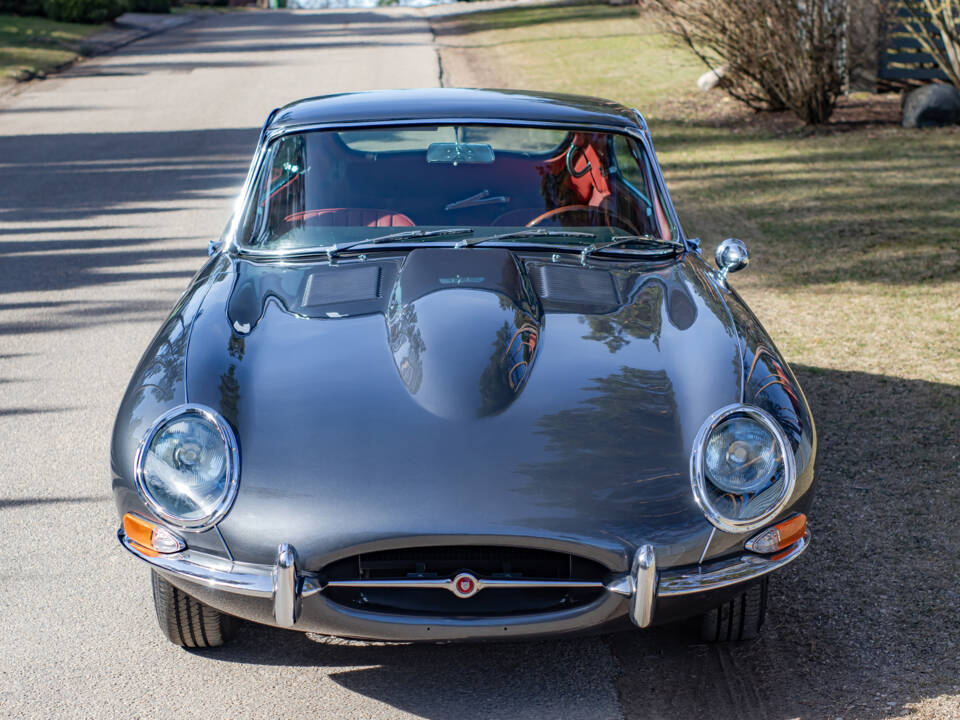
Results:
351 217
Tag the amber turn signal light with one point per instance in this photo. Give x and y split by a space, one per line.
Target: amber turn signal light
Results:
782 535
151 536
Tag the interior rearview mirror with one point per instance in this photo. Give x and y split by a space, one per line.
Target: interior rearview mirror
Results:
456 153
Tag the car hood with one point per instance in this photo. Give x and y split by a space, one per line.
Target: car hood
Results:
442 394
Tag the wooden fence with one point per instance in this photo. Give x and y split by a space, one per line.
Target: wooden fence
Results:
902 58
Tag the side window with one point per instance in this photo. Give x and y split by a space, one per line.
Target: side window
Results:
635 170
284 194
629 168
279 194
251 222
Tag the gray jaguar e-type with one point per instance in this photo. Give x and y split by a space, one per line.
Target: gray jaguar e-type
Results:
454 371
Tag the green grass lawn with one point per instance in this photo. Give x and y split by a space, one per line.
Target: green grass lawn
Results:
854 229
854 233
31 46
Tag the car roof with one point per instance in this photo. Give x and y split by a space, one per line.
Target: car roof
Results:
431 104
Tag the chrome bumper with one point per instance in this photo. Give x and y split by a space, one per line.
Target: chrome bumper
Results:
286 584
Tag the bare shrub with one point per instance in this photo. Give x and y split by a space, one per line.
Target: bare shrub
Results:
935 25
778 54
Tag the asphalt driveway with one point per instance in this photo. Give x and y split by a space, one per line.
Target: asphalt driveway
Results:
113 177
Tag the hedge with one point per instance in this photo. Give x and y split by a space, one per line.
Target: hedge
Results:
84 11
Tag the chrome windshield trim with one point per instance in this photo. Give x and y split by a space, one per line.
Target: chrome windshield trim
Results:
639 132
320 251
723 573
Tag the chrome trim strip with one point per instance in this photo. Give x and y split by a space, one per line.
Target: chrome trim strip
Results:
644 573
225 546
622 585
724 573
266 580
240 201
286 587
216 572
481 584
232 470
209 570
698 476
706 545
267 136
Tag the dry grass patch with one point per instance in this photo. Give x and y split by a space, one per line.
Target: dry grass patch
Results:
854 232
854 229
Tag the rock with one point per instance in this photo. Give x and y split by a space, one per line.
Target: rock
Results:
931 106
711 79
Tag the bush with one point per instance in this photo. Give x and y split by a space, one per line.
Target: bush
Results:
149 6
21 7
779 54
83 11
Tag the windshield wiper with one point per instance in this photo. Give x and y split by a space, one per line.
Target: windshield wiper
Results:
538 232
657 245
332 251
405 235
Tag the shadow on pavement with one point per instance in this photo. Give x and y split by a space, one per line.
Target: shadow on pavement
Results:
449 681
8 412
862 626
72 176
27 502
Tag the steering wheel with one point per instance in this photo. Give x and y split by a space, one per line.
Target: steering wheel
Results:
559 211
614 219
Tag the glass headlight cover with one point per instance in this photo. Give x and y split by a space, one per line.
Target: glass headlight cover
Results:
741 456
742 468
187 467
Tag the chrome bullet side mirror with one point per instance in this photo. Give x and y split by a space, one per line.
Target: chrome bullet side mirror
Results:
731 256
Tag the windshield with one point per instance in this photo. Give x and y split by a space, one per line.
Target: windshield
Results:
322 188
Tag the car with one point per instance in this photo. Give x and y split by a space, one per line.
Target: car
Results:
454 372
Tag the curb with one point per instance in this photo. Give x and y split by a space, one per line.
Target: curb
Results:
128 28
131 27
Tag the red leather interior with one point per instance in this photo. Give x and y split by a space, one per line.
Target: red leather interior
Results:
661 219
591 188
351 217
346 179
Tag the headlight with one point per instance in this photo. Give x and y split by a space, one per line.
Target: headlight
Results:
742 468
187 467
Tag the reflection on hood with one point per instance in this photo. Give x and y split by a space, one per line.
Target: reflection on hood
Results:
463 328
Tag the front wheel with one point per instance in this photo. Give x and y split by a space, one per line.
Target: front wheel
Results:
186 621
738 619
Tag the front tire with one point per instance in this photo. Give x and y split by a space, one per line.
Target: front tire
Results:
186 621
738 619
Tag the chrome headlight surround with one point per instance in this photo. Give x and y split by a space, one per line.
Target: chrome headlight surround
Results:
700 482
232 469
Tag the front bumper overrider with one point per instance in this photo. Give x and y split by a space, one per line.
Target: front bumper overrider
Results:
275 594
